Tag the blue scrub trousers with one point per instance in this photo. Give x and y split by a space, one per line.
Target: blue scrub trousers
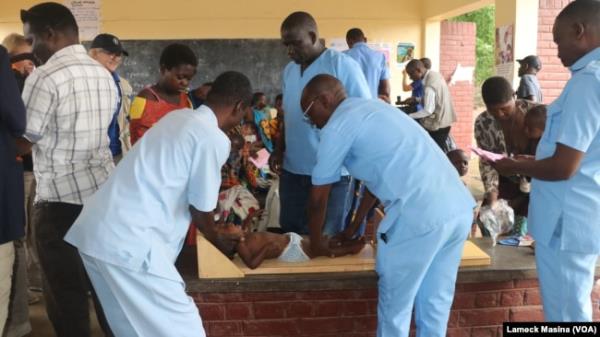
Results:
140 304
294 192
421 272
566 281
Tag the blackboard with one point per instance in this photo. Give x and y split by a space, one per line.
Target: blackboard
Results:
262 60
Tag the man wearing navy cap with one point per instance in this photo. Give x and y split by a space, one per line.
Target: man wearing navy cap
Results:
108 51
529 87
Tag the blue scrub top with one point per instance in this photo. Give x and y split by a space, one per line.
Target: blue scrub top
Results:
301 138
574 121
141 214
397 160
372 64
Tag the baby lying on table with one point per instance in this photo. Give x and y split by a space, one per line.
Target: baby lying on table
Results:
254 247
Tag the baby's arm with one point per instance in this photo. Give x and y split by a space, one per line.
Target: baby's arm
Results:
252 257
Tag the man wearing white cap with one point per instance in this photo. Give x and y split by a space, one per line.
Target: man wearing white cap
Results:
108 51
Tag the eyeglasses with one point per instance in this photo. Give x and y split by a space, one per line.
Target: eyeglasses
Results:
111 54
305 112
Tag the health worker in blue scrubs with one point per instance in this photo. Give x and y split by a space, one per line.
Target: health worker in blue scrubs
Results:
564 207
428 210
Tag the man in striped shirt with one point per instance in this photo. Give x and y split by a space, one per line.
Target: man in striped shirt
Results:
70 101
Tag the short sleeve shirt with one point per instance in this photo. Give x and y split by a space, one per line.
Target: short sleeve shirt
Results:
143 209
530 86
372 63
301 138
574 121
397 160
70 103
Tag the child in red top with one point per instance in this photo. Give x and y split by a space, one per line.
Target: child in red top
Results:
177 68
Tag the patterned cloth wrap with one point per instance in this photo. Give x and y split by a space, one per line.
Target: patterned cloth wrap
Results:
236 203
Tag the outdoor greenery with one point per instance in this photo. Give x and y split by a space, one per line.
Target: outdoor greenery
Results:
484 18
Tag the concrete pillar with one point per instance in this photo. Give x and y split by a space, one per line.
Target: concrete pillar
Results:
431 42
523 15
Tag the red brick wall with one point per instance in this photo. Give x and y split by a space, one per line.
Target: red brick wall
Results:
349 313
478 310
553 75
457 45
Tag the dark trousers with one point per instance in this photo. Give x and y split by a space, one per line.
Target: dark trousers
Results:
17 323
440 136
294 192
65 281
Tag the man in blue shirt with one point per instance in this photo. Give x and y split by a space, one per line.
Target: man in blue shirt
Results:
416 88
131 231
372 63
428 209
564 209
295 156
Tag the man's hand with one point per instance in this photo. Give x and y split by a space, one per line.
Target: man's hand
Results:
276 162
505 166
524 157
325 248
340 238
320 248
367 203
353 246
385 98
23 146
410 100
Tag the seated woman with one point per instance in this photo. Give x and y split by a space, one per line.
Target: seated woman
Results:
501 129
177 68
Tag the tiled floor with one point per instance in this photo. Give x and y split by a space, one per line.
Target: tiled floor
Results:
41 327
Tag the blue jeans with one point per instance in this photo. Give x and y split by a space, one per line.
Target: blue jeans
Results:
294 191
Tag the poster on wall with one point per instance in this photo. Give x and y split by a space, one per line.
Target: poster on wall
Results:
404 53
338 43
87 14
504 53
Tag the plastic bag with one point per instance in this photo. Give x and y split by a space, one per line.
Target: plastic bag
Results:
498 218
